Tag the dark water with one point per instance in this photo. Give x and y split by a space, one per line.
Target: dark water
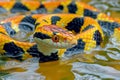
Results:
99 64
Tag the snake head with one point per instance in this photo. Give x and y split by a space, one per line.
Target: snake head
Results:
54 36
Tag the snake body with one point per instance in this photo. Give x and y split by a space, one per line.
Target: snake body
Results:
56 33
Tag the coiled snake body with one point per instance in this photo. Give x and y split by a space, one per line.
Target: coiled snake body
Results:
54 34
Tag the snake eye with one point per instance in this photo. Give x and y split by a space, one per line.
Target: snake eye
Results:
55 38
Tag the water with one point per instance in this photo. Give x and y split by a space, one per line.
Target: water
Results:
98 64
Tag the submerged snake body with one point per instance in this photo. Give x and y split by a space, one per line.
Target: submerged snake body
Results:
55 34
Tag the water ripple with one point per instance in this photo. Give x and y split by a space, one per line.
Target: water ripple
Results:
94 71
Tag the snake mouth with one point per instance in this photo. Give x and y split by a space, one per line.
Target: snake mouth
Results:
64 45
58 45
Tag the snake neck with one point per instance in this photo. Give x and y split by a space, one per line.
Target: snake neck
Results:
46 49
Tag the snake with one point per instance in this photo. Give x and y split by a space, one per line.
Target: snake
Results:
56 27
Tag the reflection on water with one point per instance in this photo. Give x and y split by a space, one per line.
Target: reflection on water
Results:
98 64
94 71
105 5
110 7
56 70
23 76
22 70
